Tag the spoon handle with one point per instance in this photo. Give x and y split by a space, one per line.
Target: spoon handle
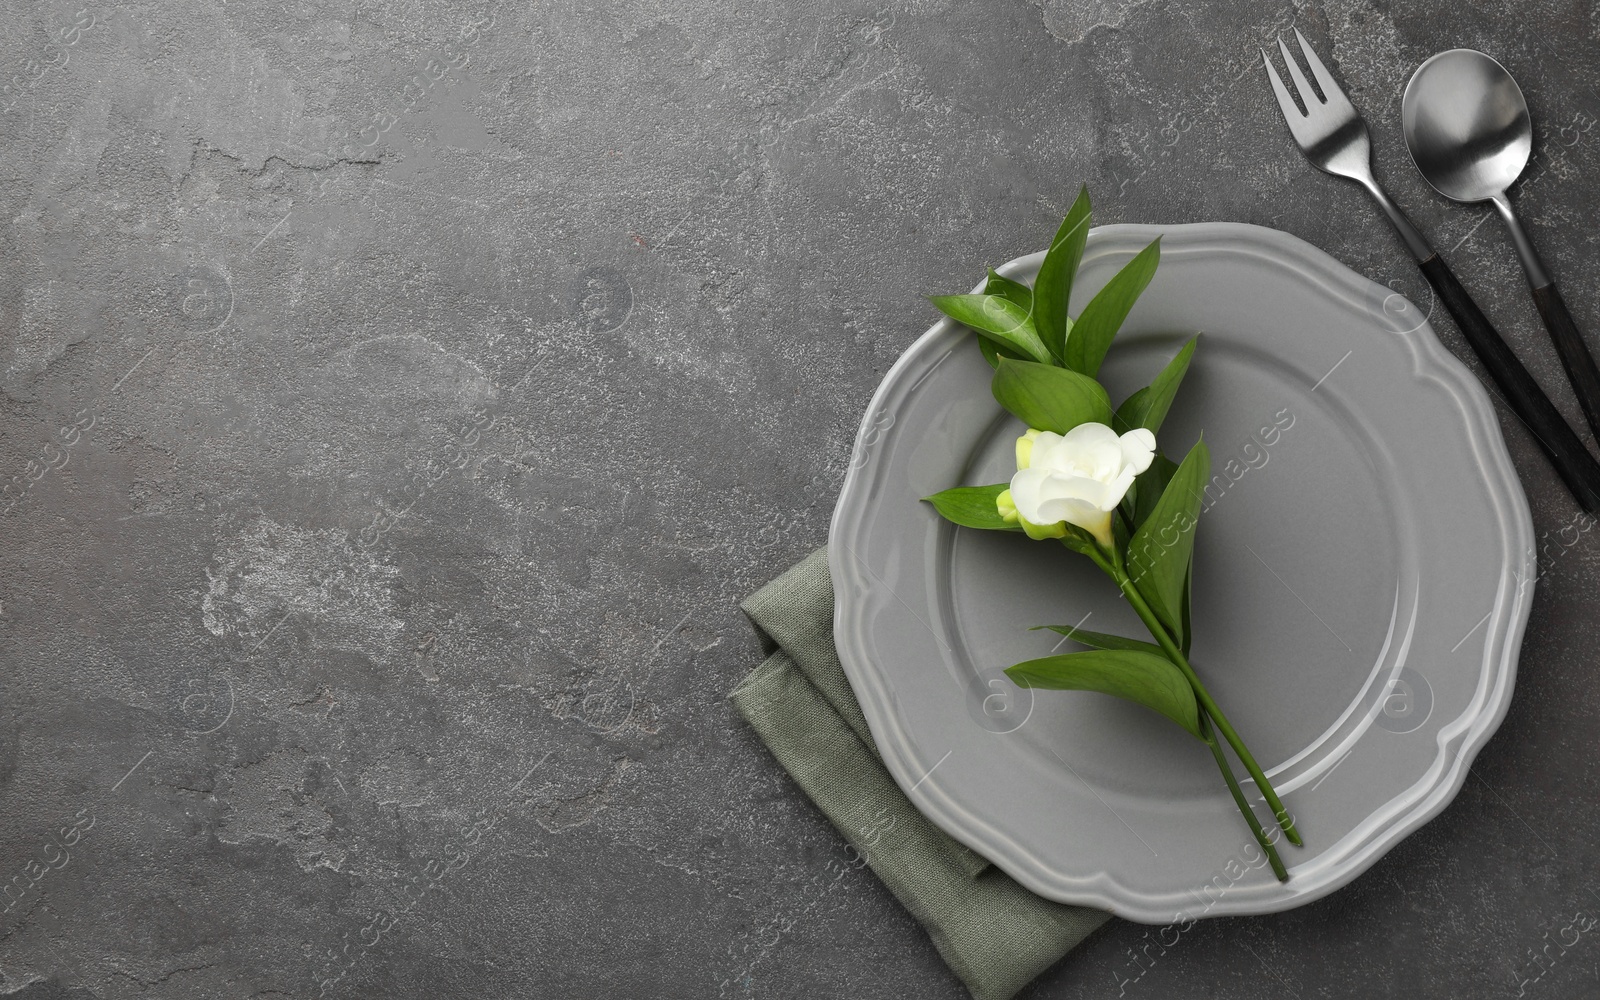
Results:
1577 468
1575 356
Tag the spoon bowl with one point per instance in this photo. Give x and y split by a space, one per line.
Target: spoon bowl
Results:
1467 125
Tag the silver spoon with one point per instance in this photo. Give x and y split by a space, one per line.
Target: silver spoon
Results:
1469 132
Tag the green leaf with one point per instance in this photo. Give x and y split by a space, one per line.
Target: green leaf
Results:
1100 320
1148 407
1006 288
1019 294
997 318
1150 680
1149 487
973 507
1050 398
993 352
1126 416
1052 289
1159 552
1183 614
1102 640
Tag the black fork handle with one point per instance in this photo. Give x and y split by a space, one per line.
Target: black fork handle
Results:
1572 461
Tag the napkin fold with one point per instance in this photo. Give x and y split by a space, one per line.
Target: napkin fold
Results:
995 935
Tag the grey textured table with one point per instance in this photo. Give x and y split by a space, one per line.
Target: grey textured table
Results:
399 397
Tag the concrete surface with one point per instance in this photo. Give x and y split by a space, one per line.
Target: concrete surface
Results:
411 391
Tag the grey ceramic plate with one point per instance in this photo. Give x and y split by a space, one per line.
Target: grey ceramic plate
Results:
1363 572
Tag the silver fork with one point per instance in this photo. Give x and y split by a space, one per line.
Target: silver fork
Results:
1333 136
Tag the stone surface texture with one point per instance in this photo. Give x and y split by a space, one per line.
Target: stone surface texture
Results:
397 398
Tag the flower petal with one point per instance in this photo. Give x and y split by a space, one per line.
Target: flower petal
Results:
1042 453
1117 488
1026 492
1089 435
1094 450
1138 449
1062 496
1073 510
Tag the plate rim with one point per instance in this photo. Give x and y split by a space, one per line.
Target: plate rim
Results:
1447 770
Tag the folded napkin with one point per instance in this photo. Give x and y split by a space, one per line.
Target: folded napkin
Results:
994 934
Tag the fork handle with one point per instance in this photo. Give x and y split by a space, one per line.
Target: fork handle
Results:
1577 468
1575 356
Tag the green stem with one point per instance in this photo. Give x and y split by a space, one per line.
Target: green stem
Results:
1238 799
1159 632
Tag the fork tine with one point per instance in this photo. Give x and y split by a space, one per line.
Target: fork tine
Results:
1301 84
1330 132
1330 88
1291 114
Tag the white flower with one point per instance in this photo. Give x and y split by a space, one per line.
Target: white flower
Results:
1075 478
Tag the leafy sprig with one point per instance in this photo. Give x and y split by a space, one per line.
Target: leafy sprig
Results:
1045 366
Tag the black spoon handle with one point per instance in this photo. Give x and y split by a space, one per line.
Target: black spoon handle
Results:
1574 353
1576 466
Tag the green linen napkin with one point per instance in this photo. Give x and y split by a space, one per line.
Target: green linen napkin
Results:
994 934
